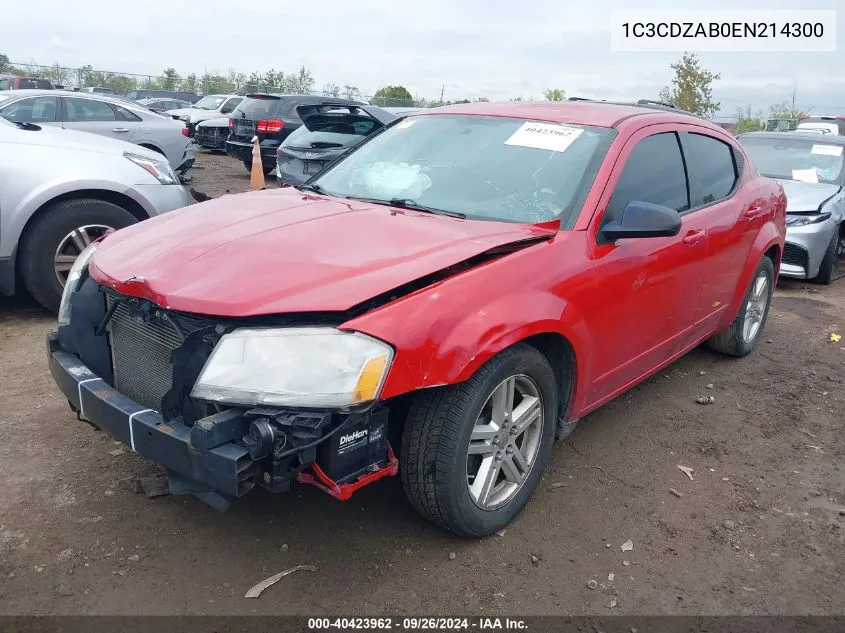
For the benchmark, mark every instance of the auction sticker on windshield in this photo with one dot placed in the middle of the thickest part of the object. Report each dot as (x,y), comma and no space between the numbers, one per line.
(550,136)
(827,150)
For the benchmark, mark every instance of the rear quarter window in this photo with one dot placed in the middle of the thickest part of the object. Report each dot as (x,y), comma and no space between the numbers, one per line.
(712,168)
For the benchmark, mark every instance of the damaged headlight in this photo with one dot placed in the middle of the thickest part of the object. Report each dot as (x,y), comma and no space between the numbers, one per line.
(157,168)
(803,219)
(301,367)
(72,282)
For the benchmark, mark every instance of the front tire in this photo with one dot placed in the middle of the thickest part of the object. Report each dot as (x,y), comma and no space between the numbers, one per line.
(473,453)
(829,268)
(52,243)
(742,335)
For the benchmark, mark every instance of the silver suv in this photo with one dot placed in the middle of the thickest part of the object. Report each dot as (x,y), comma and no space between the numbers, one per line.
(60,190)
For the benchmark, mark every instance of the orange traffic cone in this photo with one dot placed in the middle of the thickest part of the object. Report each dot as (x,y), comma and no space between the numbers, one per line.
(256,176)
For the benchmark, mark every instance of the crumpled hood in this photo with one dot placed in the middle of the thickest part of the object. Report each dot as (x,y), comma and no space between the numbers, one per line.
(806,196)
(280,251)
(194,113)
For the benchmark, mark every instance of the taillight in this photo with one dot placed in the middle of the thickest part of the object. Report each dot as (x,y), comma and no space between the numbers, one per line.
(231,123)
(269,126)
(184,131)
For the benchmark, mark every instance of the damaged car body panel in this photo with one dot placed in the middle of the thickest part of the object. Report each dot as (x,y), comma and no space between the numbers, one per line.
(399,246)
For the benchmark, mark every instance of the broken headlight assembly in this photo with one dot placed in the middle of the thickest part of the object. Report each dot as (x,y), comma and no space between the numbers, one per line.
(158,169)
(294,367)
(73,280)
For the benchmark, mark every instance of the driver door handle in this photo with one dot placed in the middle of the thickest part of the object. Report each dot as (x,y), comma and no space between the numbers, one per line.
(754,211)
(120,129)
(694,237)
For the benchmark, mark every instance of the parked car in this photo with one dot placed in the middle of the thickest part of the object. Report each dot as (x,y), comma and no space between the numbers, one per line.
(811,168)
(90,185)
(210,107)
(103,115)
(211,134)
(14,82)
(326,133)
(463,286)
(824,124)
(271,117)
(163,105)
(149,93)
(99,90)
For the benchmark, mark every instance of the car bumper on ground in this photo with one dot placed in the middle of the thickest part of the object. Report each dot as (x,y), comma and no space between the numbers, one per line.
(805,248)
(197,454)
(158,199)
(243,152)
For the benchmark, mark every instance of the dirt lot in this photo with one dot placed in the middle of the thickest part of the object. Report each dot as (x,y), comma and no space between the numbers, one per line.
(759,530)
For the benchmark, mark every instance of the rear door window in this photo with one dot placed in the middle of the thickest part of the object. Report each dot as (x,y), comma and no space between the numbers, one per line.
(33,109)
(88,110)
(654,172)
(711,166)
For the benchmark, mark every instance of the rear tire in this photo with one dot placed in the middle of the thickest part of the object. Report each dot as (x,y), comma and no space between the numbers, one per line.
(740,339)
(829,268)
(55,230)
(436,464)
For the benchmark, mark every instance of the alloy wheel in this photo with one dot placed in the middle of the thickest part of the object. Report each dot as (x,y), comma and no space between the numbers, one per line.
(505,442)
(72,244)
(755,309)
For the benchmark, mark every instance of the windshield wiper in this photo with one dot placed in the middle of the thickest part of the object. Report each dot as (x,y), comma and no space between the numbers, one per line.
(26,125)
(408,203)
(314,188)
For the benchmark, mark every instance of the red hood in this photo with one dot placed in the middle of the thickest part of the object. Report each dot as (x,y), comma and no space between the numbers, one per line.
(281,251)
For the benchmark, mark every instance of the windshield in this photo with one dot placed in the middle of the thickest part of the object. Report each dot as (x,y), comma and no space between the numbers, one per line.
(211,102)
(796,159)
(494,168)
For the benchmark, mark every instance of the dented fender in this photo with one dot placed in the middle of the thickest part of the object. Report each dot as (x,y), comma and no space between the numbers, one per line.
(768,237)
(444,333)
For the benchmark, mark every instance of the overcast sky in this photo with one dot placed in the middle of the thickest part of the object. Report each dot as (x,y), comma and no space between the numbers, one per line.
(489,48)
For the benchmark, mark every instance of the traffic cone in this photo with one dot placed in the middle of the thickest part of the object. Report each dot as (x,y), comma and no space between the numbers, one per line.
(256,176)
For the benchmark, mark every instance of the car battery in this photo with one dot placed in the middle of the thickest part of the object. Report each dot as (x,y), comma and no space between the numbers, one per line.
(356,449)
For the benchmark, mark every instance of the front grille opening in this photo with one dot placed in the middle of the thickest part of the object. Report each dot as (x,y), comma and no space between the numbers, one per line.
(794,255)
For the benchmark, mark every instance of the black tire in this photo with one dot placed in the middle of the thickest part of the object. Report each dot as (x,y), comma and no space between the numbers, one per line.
(829,268)
(731,341)
(38,246)
(436,438)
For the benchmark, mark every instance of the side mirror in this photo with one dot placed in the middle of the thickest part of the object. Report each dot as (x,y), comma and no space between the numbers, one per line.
(643,219)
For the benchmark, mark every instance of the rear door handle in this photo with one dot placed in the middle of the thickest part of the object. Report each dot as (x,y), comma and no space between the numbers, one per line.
(120,129)
(754,211)
(694,237)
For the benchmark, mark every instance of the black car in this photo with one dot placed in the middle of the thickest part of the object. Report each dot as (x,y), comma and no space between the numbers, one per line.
(327,131)
(270,117)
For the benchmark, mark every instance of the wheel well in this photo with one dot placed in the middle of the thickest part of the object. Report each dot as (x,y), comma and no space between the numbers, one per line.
(774,254)
(119,199)
(558,351)
(152,147)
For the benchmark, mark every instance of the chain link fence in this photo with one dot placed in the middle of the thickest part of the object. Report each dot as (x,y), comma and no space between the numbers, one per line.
(207,83)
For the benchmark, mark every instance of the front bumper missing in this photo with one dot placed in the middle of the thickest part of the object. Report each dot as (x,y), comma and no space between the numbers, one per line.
(205,455)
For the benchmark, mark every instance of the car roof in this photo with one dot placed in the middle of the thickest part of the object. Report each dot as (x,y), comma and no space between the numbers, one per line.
(829,139)
(595,113)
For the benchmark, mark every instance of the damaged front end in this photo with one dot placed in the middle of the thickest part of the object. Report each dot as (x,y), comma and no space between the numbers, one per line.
(129,367)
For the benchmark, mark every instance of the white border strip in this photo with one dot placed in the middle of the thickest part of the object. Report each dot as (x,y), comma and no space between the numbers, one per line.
(132,431)
(79,390)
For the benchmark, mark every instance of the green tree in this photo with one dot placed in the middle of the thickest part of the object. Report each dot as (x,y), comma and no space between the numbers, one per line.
(691,87)
(301,82)
(351,92)
(212,83)
(785,110)
(331,90)
(189,83)
(555,94)
(169,79)
(748,122)
(5,66)
(482,100)
(397,96)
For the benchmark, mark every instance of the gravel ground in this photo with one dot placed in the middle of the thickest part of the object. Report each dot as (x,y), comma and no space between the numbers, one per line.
(758,529)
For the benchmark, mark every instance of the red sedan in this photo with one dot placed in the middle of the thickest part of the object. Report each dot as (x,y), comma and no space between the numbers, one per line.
(442,303)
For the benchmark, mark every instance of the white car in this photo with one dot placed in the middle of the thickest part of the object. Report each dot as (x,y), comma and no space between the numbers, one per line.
(103,115)
(60,190)
(209,107)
